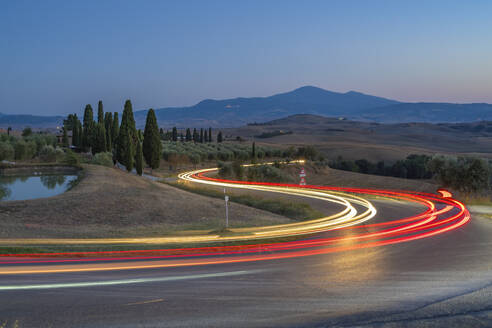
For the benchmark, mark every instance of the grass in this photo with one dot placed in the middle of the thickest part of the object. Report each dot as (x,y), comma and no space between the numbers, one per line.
(477,200)
(13,250)
(293,210)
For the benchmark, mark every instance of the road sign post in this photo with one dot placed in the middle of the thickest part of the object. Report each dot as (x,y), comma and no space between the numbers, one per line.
(227,210)
(302,175)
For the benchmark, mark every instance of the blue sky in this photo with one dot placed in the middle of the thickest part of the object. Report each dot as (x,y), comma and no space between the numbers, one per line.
(56,56)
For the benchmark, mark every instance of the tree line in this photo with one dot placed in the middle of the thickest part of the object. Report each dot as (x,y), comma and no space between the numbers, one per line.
(127,145)
(202,136)
(464,174)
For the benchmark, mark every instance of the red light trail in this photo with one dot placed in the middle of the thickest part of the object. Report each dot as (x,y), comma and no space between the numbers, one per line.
(442,214)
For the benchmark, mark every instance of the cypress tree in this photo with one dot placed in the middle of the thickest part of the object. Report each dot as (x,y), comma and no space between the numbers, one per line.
(65,137)
(139,159)
(205,136)
(210,135)
(75,134)
(99,144)
(152,146)
(188,134)
(108,125)
(127,136)
(201,135)
(219,137)
(100,112)
(88,127)
(130,152)
(115,131)
(175,134)
(253,151)
(196,137)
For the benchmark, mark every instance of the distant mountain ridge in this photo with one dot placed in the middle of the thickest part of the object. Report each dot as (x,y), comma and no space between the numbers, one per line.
(240,111)
(305,100)
(19,121)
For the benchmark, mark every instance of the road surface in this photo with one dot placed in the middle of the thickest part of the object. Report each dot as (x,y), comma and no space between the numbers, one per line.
(350,277)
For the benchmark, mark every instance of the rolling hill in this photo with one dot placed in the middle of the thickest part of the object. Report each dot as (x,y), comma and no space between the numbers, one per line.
(305,100)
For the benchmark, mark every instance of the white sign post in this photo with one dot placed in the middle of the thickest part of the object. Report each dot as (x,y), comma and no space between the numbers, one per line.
(227,208)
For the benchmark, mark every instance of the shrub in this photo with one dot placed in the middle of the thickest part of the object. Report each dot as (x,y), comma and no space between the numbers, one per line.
(49,154)
(266,173)
(104,159)
(71,158)
(6,151)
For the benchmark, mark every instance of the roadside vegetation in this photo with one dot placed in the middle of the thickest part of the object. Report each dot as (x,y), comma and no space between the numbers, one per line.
(294,210)
(467,175)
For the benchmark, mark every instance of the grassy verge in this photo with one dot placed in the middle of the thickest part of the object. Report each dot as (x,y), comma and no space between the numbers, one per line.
(12,250)
(477,200)
(293,210)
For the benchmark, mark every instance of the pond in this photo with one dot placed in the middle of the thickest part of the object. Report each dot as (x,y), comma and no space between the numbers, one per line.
(32,186)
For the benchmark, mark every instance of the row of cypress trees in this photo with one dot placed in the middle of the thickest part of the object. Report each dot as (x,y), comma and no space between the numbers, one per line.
(129,146)
(203,136)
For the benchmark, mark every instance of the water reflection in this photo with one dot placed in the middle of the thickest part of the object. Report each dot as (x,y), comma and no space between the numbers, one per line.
(30,187)
(51,181)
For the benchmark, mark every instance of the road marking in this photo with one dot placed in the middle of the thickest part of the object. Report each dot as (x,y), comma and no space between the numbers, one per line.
(146,302)
(127,281)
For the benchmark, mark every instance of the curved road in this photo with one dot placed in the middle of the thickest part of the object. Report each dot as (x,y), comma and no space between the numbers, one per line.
(427,265)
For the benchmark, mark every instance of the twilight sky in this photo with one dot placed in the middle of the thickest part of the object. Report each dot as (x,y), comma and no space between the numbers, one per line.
(56,56)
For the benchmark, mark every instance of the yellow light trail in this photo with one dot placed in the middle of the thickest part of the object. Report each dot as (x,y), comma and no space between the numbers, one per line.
(349,216)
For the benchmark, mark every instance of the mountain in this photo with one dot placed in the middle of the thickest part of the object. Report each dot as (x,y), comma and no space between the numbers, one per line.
(35,121)
(305,100)
(239,111)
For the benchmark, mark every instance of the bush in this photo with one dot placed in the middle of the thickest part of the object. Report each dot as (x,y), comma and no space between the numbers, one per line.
(24,150)
(6,151)
(465,174)
(104,159)
(71,158)
(266,173)
(50,154)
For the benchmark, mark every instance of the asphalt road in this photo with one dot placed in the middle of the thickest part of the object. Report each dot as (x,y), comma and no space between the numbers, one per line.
(444,280)
(439,280)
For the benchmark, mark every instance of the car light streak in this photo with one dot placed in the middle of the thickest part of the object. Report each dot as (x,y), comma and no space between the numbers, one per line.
(442,214)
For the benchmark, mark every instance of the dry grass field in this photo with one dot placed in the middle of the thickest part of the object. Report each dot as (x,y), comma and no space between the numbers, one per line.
(373,141)
(111,203)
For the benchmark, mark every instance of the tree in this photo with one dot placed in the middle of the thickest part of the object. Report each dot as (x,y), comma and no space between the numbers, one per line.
(196,137)
(152,146)
(129,153)
(210,135)
(253,150)
(65,137)
(127,136)
(139,159)
(219,137)
(70,121)
(100,112)
(175,134)
(115,130)
(188,134)
(8,130)
(75,134)
(108,126)
(205,136)
(88,127)
(201,136)
(99,145)
(27,132)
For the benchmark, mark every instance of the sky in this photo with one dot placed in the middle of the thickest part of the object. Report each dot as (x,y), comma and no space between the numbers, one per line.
(57,56)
